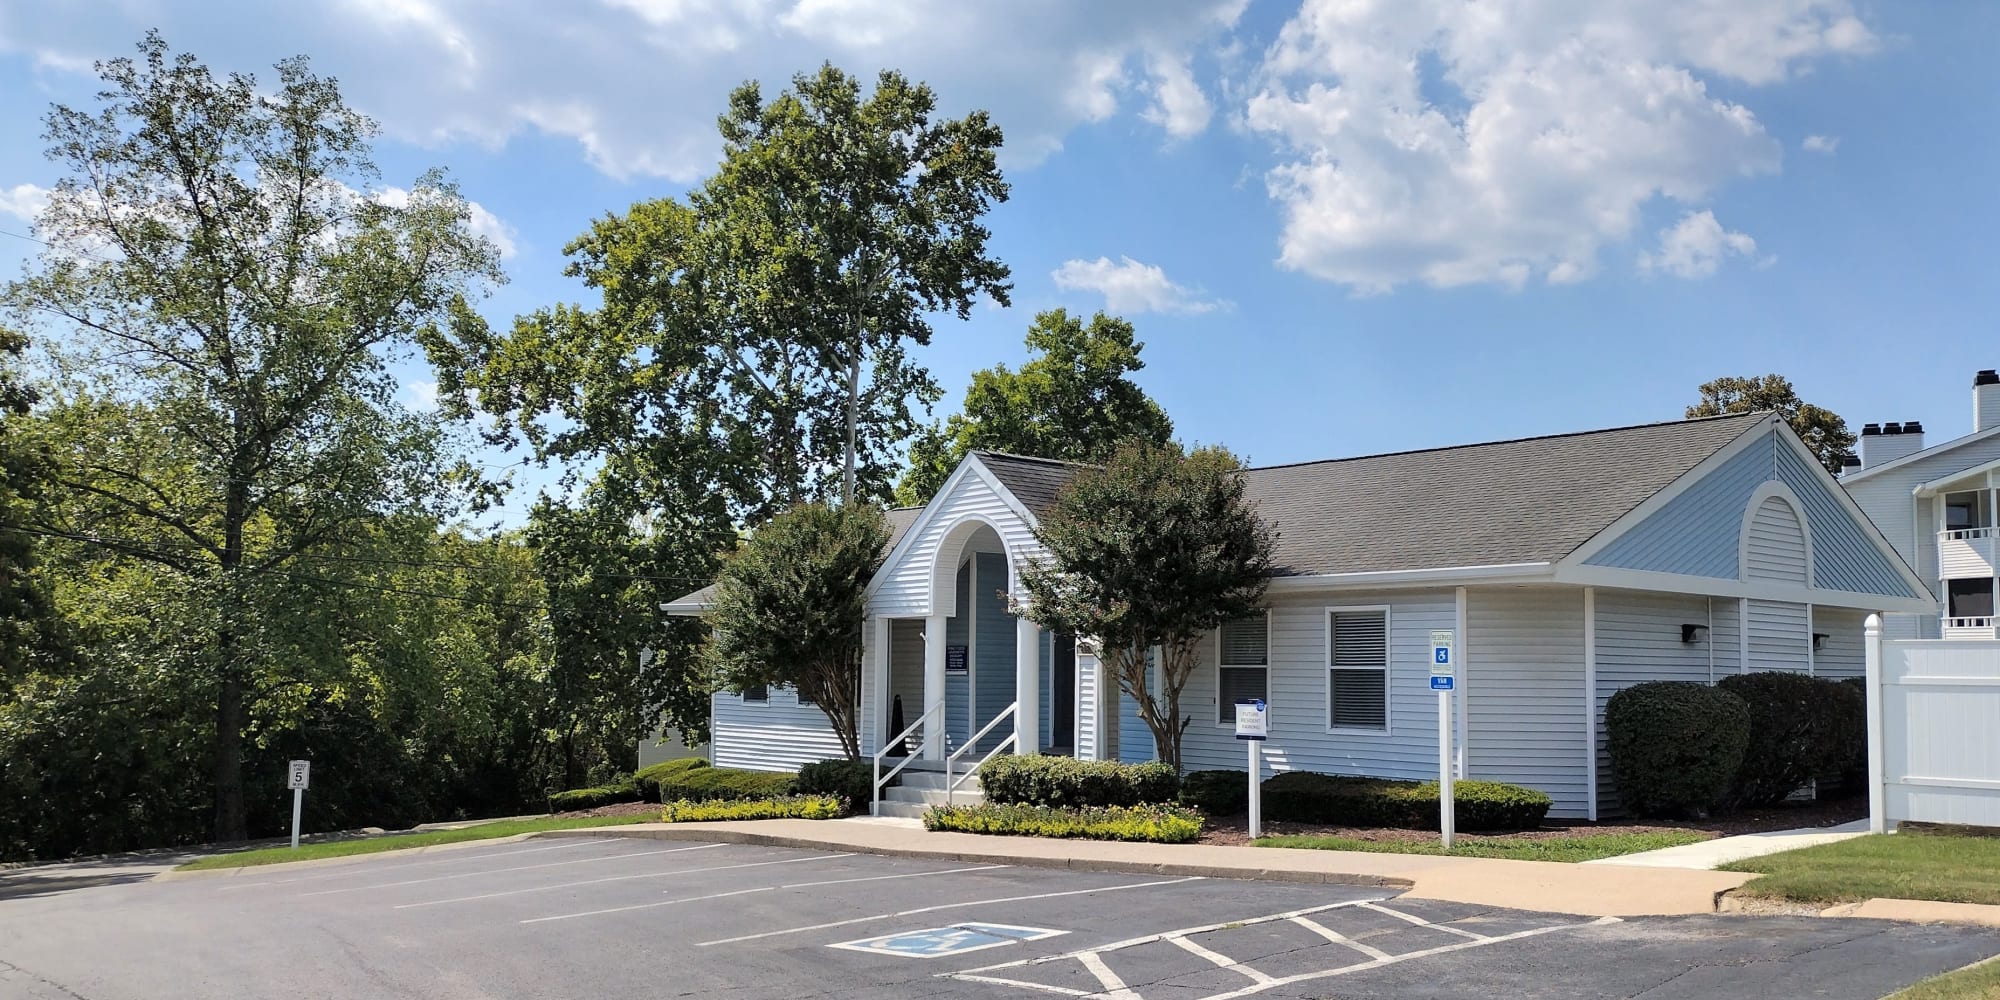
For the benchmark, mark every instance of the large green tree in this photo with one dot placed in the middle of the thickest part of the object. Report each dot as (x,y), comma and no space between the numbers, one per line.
(27,622)
(1147,554)
(790,606)
(229,290)
(1072,401)
(1823,430)
(752,342)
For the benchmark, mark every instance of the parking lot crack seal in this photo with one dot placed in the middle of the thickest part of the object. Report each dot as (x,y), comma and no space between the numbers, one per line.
(1747,962)
(10,971)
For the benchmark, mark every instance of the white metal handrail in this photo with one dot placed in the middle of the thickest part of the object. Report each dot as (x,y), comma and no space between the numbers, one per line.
(875,796)
(1013,740)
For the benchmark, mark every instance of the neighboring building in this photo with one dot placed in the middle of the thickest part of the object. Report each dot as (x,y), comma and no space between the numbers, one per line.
(665,745)
(1569,567)
(1938,507)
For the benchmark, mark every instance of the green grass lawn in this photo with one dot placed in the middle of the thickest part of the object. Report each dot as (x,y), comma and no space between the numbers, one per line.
(1979,982)
(405,841)
(1948,866)
(1581,847)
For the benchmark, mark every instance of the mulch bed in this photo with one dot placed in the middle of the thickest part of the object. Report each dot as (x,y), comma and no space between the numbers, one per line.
(1791,816)
(615,809)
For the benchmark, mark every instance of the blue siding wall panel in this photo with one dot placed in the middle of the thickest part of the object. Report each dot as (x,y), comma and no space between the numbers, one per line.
(1695,534)
(958,687)
(995,666)
(1046,688)
(1844,558)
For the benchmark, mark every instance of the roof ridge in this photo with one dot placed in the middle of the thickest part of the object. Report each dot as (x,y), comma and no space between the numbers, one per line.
(1519,440)
(1032,458)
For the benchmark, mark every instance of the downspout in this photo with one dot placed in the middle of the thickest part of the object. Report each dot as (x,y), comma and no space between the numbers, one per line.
(1590,700)
(1710,601)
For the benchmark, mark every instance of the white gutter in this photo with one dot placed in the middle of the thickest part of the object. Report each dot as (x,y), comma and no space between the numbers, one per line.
(1444,574)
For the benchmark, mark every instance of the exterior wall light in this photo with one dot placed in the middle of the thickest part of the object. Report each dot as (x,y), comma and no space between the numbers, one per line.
(1692,633)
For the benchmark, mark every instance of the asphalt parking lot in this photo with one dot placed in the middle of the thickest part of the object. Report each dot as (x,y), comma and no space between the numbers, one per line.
(613,917)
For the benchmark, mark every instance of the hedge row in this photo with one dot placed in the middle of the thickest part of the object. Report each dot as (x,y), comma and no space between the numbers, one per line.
(1067,782)
(784,807)
(1682,748)
(591,798)
(851,781)
(702,784)
(1306,797)
(1216,793)
(1152,824)
(648,779)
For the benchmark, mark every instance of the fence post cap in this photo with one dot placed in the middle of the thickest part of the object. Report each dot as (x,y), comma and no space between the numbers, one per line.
(1873,625)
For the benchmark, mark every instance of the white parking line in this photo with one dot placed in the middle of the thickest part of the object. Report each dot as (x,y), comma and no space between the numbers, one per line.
(1114,987)
(517,868)
(746,892)
(942,906)
(349,870)
(1338,938)
(618,878)
(1164,935)
(1219,960)
(1421,922)
(1405,957)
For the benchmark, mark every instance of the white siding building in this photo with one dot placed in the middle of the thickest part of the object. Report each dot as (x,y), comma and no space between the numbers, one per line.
(1568,567)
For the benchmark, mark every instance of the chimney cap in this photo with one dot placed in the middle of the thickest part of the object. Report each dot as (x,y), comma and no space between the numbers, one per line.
(1850,461)
(1913,427)
(1870,430)
(1986,376)
(1891,427)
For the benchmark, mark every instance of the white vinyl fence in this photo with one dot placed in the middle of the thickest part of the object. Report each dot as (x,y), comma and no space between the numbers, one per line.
(1933,730)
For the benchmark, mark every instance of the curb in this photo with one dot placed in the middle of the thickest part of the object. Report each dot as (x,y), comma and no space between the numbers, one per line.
(286,866)
(1910,911)
(975,857)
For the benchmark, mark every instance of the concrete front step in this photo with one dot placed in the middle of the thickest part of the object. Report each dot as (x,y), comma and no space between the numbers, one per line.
(933,796)
(906,810)
(934,779)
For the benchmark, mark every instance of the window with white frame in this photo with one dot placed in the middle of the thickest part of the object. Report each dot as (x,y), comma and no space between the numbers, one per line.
(1243,663)
(1357,654)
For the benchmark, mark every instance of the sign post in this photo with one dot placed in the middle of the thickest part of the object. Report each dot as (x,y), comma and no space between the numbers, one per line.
(297,777)
(1443,680)
(1253,726)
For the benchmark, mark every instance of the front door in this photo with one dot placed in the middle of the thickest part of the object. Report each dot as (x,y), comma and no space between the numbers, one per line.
(1062,695)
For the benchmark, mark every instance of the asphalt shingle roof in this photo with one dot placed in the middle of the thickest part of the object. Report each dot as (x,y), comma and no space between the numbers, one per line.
(1524,501)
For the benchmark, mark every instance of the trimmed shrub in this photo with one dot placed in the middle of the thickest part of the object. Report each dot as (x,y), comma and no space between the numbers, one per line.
(1065,781)
(849,780)
(1676,746)
(1152,824)
(1795,734)
(1850,732)
(1216,793)
(648,779)
(591,798)
(702,784)
(786,807)
(1341,800)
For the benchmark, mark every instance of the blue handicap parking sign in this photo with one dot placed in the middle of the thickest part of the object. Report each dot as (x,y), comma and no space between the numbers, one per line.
(938,942)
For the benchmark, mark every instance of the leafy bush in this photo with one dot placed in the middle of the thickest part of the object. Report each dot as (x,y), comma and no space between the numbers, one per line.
(701,784)
(784,807)
(1676,746)
(1796,734)
(1306,797)
(1066,781)
(648,779)
(591,798)
(1855,774)
(1153,824)
(1216,793)
(852,781)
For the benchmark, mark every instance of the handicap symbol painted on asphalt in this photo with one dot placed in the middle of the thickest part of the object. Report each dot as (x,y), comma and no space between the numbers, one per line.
(938,942)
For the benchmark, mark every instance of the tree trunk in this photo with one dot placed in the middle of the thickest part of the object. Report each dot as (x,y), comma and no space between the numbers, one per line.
(853,417)
(230,822)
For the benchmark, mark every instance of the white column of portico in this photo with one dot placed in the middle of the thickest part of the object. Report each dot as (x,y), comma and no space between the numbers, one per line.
(1027,687)
(934,640)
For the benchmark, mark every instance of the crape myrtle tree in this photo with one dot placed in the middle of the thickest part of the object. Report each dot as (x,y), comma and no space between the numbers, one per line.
(1824,431)
(1147,554)
(1072,401)
(790,607)
(224,295)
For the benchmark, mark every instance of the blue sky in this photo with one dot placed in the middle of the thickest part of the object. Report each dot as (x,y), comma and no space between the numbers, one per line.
(1340,227)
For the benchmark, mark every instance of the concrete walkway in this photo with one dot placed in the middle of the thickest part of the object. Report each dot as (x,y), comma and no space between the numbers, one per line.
(1587,890)
(1711,854)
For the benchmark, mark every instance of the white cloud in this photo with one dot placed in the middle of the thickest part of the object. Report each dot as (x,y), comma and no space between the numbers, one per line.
(1697,245)
(24,202)
(637,84)
(1129,286)
(1825,144)
(1500,142)
(423,395)
(482,222)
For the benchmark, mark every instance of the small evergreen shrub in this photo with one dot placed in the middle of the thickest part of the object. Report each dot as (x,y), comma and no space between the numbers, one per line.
(1150,824)
(591,798)
(785,807)
(1216,793)
(1065,781)
(701,784)
(1342,800)
(850,780)
(1796,734)
(1676,746)
(648,779)
(1849,733)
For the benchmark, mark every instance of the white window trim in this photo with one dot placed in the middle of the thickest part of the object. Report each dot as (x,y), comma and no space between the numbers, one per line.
(1215,638)
(1388,665)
